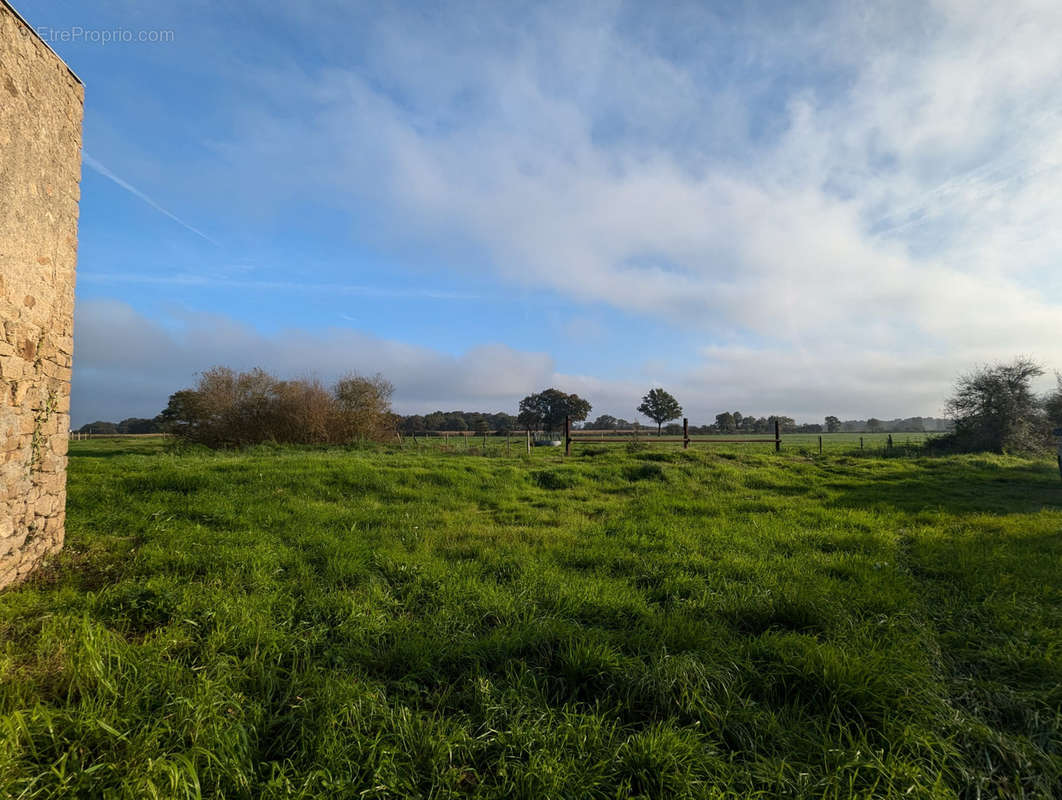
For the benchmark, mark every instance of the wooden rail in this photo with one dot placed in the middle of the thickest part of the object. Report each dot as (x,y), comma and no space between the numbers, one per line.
(572,436)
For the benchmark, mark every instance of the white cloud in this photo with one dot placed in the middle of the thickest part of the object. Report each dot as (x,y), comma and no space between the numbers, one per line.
(867,201)
(154,361)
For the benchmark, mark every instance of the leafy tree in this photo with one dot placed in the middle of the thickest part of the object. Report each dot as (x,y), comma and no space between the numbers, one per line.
(739,419)
(605,422)
(995,409)
(138,425)
(833,424)
(181,413)
(414,423)
(660,407)
(725,422)
(874,425)
(503,423)
(99,426)
(547,409)
(434,421)
(785,424)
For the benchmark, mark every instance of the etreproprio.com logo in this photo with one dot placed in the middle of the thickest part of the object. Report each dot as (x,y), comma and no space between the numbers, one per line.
(76,33)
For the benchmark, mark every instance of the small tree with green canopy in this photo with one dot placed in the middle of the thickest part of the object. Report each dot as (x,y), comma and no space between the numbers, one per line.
(660,407)
(547,410)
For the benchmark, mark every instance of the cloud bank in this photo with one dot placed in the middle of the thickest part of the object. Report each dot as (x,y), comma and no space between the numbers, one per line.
(845,205)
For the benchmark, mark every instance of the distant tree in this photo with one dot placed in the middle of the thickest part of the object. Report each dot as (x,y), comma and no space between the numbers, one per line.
(739,420)
(547,410)
(1053,404)
(725,422)
(994,408)
(660,407)
(481,425)
(98,427)
(414,423)
(503,423)
(785,424)
(833,424)
(181,413)
(138,425)
(434,421)
(874,425)
(605,422)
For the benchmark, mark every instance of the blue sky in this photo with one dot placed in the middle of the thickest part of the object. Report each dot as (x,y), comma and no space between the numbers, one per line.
(810,209)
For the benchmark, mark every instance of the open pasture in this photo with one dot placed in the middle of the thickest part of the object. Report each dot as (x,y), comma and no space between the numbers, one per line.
(379,623)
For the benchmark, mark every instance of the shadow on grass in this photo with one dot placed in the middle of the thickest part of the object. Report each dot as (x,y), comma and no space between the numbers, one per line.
(958,487)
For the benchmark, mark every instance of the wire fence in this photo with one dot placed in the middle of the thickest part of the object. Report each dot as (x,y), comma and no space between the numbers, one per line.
(571,440)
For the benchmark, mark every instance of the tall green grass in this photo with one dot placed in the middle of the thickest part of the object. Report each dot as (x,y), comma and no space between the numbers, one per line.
(655,623)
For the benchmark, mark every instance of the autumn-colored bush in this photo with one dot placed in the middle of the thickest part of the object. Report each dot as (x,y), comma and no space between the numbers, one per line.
(233,409)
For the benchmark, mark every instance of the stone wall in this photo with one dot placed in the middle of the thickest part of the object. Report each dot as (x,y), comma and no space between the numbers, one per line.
(40,168)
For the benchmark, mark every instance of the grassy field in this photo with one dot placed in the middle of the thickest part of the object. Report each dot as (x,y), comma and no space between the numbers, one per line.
(382,623)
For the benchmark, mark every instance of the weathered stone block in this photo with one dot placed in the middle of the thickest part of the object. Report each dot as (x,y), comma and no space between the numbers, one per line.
(40,167)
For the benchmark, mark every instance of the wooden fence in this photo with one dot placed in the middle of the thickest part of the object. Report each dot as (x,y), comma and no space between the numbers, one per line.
(571,436)
(527,440)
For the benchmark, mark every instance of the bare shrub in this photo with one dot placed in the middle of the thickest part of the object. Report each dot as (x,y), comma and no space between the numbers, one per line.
(364,407)
(234,409)
(995,409)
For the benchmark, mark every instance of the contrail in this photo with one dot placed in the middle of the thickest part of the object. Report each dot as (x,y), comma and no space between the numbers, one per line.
(106,173)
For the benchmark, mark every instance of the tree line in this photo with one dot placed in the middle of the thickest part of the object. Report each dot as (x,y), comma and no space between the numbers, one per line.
(993,408)
(459,421)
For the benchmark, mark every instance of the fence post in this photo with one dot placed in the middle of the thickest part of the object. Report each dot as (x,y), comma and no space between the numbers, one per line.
(890,442)
(508,444)
(777,436)
(529,441)
(484,442)
(567,435)
(685,433)
(820,445)
(860,442)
